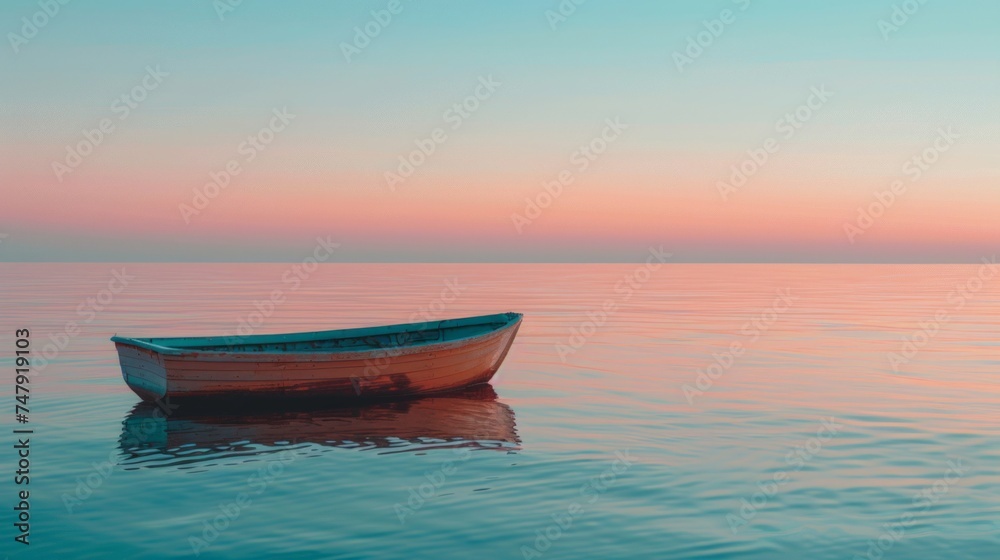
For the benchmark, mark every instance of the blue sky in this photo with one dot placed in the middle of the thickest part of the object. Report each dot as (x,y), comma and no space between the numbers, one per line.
(356,118)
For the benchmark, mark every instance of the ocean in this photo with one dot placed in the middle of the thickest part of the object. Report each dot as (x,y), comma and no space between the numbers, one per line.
(758,411)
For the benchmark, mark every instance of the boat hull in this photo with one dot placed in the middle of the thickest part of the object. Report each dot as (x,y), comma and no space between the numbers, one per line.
(348,375)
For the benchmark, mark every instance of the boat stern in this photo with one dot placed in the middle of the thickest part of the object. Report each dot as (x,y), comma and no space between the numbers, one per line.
(142,370)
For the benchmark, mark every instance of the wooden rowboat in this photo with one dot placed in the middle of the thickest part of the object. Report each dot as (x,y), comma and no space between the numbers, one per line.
(350,364)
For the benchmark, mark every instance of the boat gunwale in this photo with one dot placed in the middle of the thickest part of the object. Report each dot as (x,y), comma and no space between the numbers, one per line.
(196,350)
(344,355)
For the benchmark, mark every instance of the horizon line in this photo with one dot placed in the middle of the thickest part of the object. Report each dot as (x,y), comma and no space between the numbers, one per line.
(680,261)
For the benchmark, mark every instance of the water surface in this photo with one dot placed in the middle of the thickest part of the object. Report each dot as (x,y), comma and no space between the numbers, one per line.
(686,411)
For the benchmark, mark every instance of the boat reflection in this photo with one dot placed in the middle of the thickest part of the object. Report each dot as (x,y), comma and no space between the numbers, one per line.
(185,435)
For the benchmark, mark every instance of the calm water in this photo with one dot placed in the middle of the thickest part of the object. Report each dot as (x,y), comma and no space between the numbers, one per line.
(692,411)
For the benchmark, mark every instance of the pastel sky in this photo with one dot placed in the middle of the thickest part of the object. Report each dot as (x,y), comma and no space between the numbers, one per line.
(199,80)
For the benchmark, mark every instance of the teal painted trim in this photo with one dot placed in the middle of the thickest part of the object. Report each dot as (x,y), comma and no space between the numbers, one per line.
(182,345)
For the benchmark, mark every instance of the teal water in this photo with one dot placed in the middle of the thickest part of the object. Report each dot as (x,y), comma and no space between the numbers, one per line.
(686,411)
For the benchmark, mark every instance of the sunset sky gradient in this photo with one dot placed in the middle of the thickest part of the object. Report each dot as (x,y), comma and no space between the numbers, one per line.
(655,185)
